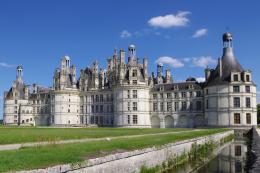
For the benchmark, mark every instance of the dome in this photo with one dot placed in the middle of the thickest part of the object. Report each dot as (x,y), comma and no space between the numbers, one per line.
(66,57)
(191,79)
(19,67)
(227,36)
(131,46)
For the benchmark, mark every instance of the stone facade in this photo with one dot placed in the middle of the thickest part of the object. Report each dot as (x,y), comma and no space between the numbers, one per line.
(125,95)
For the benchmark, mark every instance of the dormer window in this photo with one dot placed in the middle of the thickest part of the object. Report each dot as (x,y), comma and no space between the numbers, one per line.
(235,77)
(134,73)
(248,78)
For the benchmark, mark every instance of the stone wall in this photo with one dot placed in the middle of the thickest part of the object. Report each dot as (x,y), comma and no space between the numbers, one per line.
(132,161)
(256,150)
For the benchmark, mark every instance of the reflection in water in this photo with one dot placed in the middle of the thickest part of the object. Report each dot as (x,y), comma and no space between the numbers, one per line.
(231,159)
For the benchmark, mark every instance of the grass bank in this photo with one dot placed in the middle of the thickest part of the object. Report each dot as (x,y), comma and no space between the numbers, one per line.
(12,135)
(44,156)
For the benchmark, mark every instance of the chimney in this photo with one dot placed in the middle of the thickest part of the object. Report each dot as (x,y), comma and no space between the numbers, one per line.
(207,73)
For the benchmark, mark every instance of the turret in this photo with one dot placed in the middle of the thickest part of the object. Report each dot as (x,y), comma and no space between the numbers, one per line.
(159,70)
(168,76)
(131,53)
(19,74)
(207,73)
(122,56)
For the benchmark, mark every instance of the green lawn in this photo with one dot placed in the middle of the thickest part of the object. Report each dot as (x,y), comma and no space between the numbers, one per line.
(11,135)
(44,156)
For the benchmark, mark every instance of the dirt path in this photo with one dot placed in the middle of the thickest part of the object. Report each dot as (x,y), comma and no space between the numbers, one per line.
(34,144)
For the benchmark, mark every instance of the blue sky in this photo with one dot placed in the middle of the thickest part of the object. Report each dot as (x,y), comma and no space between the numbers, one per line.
(184,35)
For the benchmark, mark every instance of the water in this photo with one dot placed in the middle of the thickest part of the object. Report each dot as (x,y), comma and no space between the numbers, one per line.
(231,159)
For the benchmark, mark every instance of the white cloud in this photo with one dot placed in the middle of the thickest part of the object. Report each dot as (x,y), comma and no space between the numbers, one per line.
(200,33)
(125,34)
(170,20)
(200,79)
(170,61)
(203,61)
(3,64)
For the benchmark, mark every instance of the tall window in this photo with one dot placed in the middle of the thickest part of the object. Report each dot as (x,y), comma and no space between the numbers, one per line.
(128,93)
(161,95)
(154,96)
(155,106)
(128,106)
(134,106)
(101,98)
(198,105)
(248,118)
(169,95)
(247,78)
(237,118)
(235,77)
(248,102)
(176,106)
(134,73)
(183,106)
(238,150)
(97,98)
(236,102)
(161,106)
(92,98)
(236,89)
(248,89)
(198,93)
(135,119)
(101,108)
(169,106)
(128,119)
(134,82)
(175,95)
(207,104)
(183,94)
(191,94)
(134,93)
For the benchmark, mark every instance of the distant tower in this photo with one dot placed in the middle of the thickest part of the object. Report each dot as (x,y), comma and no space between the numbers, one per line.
(227,40)
(19,72)
(132,51)
(159,70)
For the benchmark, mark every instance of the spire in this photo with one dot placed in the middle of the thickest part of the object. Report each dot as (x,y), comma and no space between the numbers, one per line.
(228,60)
(19,73)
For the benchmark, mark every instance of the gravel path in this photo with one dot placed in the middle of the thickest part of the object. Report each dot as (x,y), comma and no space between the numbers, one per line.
(34,144)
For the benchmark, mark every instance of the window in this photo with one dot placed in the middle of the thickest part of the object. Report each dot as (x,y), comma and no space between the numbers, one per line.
(27,120)
(198,105)
(128,119)
(248,89)
(15,102)
(68,110)
(134,82)
(183,106)
(128,106)
(247,78)
(236,89)
(97,108)
(134,106)
(97,98)
(176,106)
(248,103)
(134,93)
(155,106)
(248,118)
(236,102)
(235,77)
(238,150)
(183,94)
(101,108)
(134,73)
(92,109)
(161,106)
(169,106)
(169,95)
(207,104)
(191,94)
(236,118)
(161,95)
(175,95)
(128,93)
(198,94)
(154,96)
(92,98)
(101,98)
(135,119)
(191,106)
